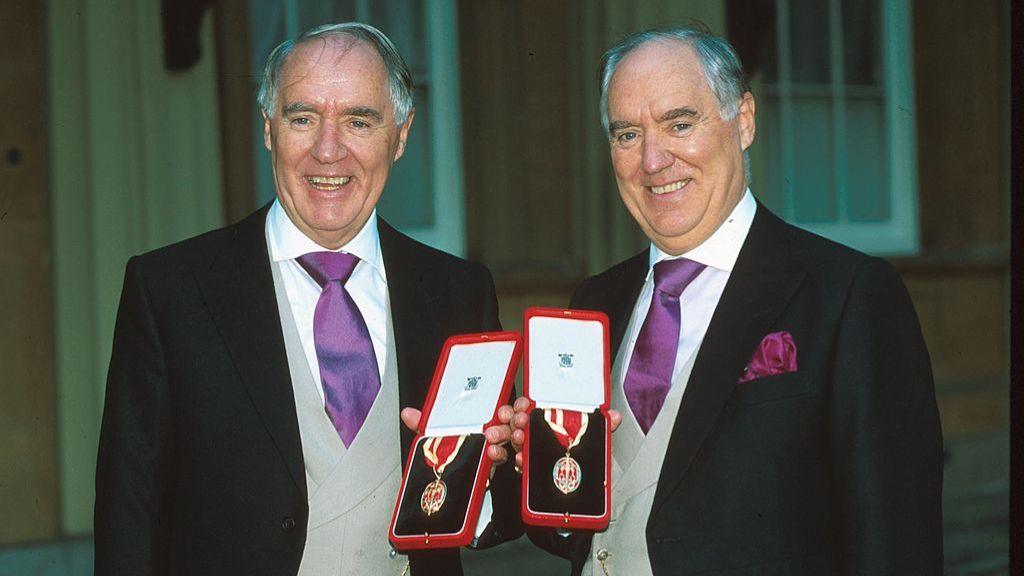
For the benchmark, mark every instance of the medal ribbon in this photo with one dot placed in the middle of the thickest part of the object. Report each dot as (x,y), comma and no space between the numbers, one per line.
(439,451)
(569,426)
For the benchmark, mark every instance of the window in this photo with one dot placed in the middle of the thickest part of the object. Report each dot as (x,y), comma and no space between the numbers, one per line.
(423,197)
(835,123)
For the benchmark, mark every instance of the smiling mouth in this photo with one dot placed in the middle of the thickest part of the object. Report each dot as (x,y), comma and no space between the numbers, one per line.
(670,187)
(327,183)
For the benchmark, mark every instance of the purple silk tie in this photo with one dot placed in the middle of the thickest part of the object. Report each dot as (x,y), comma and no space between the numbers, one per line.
(654,356)
(348,366)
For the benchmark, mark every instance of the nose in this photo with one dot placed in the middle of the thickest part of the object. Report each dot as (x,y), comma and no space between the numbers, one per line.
(329,147)
(655,157)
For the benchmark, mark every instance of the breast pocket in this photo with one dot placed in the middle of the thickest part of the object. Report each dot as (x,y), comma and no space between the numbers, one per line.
(771,388)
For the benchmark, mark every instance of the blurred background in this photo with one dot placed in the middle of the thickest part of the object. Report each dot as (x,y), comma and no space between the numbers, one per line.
(130,124)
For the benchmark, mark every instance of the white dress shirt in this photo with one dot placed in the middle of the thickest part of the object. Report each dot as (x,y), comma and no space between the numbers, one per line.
(699,300)
(368,284)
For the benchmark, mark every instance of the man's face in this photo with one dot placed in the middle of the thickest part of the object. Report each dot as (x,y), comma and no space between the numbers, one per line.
(678,164)
(332,137)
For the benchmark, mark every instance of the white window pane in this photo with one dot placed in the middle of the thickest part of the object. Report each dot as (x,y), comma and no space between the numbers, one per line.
(813,175)
(809,41)
(408,199)
(867,174)
(402,21)
(769,143)
(862,44)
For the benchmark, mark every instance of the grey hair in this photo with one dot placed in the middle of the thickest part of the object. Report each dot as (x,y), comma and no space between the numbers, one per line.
(399,79)
(722,69)
(721,65)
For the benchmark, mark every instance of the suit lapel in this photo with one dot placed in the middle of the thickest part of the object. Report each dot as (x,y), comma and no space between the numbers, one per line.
(618,302)
(238,289)
(416,293)
(764,279)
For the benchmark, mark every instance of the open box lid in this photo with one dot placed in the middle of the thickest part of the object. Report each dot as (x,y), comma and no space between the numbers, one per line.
(567,363)
(471,381)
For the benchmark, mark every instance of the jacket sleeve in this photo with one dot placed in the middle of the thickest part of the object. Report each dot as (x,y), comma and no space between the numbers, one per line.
(886,441)
(132,458)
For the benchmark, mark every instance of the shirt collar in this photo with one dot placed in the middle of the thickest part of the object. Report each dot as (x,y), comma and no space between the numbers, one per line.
(287,242)
(722,248)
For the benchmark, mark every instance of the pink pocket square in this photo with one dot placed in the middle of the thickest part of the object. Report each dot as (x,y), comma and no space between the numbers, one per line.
(776,354)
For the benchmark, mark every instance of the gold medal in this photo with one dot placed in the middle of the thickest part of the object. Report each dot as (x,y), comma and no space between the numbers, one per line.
(439,453)
(569,427)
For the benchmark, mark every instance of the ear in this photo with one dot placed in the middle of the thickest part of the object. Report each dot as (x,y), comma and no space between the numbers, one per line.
(746,119)
(267,141)
(403,135)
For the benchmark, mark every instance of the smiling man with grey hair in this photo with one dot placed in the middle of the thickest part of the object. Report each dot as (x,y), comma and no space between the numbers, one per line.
(261,374)
(777,407)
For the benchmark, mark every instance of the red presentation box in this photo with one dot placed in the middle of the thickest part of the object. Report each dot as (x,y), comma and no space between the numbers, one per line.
(567,452)
(447,468)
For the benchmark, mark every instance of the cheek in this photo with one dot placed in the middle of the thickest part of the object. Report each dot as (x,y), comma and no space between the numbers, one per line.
(626,165)
(291,149)
(695,151)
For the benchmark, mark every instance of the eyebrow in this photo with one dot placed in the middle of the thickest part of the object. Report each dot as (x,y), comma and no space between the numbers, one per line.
(676,113)
(673,114)
(296,107)
(619,125)
(358,111)
(365,112)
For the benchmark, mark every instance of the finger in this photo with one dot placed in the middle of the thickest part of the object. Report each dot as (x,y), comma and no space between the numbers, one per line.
(520,420)
(411,418)
(498,434)
(522,404)
(505,414)
(519,463)
(614,419)
(518,437)
(497,454)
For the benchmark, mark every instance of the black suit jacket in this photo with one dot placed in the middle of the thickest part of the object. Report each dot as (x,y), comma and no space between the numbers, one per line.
(200,467)
(835,469)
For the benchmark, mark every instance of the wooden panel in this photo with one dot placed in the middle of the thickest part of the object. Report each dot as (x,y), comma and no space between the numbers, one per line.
(961,90)
(514,301)
(963,316)
(519,216)
(28,478)
(973,412)
(237,105)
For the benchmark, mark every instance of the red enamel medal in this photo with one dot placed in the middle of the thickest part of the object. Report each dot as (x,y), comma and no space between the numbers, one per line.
(438,453)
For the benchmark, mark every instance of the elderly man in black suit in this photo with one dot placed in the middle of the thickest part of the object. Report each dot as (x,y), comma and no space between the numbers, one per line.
(777,404)
(251,423)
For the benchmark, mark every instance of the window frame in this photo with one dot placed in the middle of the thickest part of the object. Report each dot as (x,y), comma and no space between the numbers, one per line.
(899,234)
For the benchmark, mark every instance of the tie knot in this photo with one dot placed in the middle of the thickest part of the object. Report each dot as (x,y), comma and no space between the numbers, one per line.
(327,266)
(673,276)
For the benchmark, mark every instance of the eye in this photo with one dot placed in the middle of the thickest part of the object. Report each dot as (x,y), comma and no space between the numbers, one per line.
(626,137)
(360,124)
(300,122)
(681,127)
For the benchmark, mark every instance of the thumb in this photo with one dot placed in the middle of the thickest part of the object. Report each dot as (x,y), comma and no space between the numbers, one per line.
(411,418)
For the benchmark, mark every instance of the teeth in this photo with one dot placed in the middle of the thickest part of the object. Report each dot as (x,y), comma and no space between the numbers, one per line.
(678,185)
(323,182)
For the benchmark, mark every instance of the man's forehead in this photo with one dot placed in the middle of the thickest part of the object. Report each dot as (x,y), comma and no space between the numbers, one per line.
(338,65)
(662,75)
(326,54)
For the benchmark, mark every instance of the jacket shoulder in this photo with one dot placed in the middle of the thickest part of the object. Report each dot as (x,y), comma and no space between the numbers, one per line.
(823,256)
(594,290)
(840,269)
(412,250)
